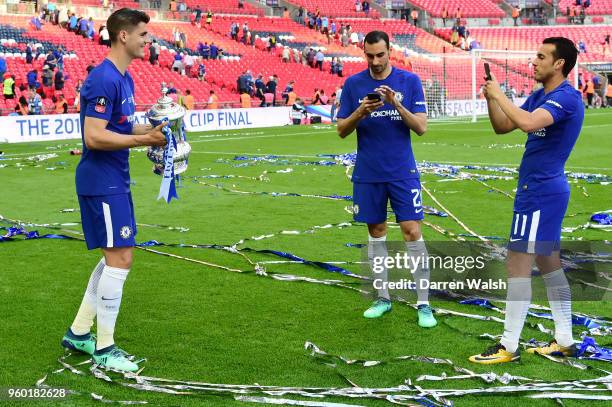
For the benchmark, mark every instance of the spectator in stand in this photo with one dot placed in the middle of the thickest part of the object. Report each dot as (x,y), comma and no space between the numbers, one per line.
(444,15)
(90,28)
(582,47)
(609,95)
(589,90)
(323,97)
(32,77)
(189,61)
(171,89)
(105,37)
(316,98)
(582,15)
(365,6)
(271,88)
(198,16)
(77,95)
(58,53)
(335,104)
(72,26)
(339,67)
(319,57)
(205,50)
(154,50)
(516,12)
(288,89)
(172,6)
(183,38)
(35,104)
(291,98)
(333,66)
(3,67)
(177,65)
(8,86)
(414,15)
(300,15)
(47,76)
(310,58)
(188,100)
(358,5)
(61,105)
(21,108)
(214,51)
(176,37)
(51,61)
(201,70)
(271,43)
(29,57)
(59,80)
(354,38)
(245,100)
(63,18)
(571,13)
(286,54)
(83,27)
(458,15)
(260,90)
(209,17)
(455,34)
(213,101)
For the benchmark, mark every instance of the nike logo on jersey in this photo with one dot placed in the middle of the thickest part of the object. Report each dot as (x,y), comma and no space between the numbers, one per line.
(109,299)
(123,101)
(515,240)
(418,210)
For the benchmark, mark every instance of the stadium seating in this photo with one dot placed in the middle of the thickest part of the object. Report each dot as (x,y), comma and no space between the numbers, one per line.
(472,8)
(597,7)
(528,38)
(337,8)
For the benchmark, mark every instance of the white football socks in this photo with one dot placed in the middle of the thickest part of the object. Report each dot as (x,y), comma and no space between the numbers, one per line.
(418,252)
(518,300)
(560,300)
(110,290)
(87,311)
(377,248)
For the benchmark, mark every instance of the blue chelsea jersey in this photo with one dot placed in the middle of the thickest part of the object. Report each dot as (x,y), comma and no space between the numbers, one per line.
(109,95)
(547,149)
(384,152)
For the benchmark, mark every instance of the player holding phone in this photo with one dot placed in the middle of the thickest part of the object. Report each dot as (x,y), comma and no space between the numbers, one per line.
(384,104)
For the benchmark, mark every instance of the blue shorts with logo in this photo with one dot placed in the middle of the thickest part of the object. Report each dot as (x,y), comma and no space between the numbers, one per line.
(108,220)
(536,224)
(370,200)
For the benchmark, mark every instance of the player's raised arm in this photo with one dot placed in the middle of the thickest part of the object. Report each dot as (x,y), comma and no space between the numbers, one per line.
(506,116)
(97,137)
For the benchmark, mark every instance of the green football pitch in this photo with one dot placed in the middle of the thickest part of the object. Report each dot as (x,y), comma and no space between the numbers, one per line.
(198,322)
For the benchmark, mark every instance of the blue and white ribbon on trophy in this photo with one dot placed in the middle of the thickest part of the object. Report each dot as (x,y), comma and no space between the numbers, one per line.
(167,189)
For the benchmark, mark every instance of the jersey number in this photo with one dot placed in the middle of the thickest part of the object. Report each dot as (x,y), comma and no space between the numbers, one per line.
(416,199)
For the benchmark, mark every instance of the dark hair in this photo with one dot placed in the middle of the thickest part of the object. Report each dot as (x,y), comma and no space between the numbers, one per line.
(375,36)
(564,49)
(188,92)
(124,19)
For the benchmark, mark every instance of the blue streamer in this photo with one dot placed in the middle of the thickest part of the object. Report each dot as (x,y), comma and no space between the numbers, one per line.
(589,349)
(602,218)
(167,189)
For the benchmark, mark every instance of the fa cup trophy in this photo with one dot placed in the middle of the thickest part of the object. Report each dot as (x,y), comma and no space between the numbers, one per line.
(171,160)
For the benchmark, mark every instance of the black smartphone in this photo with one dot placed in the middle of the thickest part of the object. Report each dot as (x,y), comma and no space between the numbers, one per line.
(487,71)
(374,96)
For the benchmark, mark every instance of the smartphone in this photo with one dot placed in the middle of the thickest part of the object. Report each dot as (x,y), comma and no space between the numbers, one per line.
(374,96)
(487,71)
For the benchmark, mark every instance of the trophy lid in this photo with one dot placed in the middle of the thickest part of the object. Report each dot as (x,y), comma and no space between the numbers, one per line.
(166,108)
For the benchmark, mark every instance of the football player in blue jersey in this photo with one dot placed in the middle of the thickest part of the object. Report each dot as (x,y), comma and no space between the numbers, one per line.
(384,104)
(552,118)
(103,186)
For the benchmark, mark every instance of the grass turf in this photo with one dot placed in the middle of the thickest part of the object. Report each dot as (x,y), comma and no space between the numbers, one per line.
(200,323)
